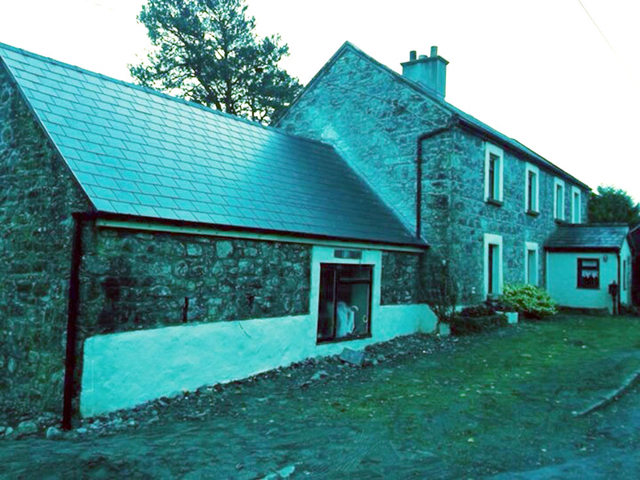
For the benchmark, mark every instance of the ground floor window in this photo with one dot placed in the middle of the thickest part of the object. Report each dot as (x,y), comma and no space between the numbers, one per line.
(589,273)
(531,263)
(345,302)
(492,265)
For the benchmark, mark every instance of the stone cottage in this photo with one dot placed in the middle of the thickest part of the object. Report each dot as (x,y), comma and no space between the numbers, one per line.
(486,203)
(152,245)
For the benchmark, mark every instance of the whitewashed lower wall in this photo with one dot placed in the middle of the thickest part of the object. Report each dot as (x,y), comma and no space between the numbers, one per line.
(126,369)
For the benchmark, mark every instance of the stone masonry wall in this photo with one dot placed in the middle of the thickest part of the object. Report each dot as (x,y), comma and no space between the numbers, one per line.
(37,197)
(400,278)
(473,217)
(373,121)
(134,280)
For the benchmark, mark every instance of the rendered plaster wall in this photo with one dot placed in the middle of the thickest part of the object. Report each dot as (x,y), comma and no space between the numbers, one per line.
(37,197)
(125,369)
(563,280)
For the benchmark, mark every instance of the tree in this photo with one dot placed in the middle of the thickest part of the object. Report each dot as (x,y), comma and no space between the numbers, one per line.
(206,51)
(612,204)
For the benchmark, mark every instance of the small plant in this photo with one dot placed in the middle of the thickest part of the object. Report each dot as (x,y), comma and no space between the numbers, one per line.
(529,300)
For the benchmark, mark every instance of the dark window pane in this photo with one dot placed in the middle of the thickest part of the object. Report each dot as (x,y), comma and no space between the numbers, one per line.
(326,308)
(345,301)
(353,309)
(588,273)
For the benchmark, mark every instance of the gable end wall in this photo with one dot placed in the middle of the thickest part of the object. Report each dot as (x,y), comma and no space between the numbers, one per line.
(37,196)
(373,121)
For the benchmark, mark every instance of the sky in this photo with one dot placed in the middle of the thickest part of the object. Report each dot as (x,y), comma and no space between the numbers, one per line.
(539,71)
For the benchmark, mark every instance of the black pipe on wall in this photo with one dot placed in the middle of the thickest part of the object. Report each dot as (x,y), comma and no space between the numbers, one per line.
(72,319)
(421,138)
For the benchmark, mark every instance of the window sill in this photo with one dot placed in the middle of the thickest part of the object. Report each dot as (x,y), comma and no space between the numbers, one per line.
(343,339)
(587,288)
(533,213)
(494,202)
(560,221)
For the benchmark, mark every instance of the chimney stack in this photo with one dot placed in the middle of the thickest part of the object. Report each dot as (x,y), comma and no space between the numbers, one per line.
(429,71)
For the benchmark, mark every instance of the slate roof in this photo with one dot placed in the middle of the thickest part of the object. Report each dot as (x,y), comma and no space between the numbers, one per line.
(467,119)
(588,237)
(139,152)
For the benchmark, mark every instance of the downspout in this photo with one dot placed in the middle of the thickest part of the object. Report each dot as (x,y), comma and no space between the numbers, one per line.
(619,285)
(72,318)
(453,121)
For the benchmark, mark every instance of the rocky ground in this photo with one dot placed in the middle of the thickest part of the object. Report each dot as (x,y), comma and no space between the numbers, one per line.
(498,405)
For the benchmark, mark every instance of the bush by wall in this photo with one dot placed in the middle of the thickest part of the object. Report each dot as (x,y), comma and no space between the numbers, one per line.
(476,319)
(531,301)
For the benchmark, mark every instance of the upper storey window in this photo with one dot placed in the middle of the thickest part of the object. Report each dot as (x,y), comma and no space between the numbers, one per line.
(531,193)
(558,199)
(576,210)
(493,168)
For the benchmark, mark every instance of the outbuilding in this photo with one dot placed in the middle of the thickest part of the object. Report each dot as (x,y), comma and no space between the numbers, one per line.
(590,266)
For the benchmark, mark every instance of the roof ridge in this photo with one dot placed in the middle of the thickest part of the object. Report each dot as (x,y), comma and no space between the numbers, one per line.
(159,93)
(440,103)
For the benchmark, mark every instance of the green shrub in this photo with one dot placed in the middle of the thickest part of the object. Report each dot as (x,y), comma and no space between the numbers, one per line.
(531,301)
(465,325)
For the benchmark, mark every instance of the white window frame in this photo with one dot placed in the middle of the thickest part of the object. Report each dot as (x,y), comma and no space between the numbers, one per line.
(528,247)
(491,239)
(497,151)
(559,182)
(576,208)
(536,193)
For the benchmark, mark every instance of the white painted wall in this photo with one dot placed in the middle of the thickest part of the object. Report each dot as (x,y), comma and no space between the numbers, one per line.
(126,369)
(563,280)
(625,294)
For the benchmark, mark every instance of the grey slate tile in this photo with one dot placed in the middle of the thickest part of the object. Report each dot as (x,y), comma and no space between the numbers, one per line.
(142,153)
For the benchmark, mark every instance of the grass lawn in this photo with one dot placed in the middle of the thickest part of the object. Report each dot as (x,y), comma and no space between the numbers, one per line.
(456,408)
(504,400)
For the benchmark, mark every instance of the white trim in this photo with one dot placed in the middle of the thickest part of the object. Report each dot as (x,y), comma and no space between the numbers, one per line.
(536,193)
(321,255)
(491,239)
(556,182)
(576,208)
(531,246)
(492,149)
(272,237)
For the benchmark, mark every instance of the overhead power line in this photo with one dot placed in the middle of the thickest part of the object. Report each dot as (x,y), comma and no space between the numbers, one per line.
(624,65)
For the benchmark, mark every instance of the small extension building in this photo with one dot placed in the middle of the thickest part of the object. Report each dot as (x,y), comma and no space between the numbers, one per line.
(585,262)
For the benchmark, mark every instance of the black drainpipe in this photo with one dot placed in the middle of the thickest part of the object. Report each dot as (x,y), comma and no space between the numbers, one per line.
(422,137)
(618,299)
(72,318)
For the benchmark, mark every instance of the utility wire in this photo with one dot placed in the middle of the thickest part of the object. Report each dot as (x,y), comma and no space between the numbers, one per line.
(624,65)
(596,25)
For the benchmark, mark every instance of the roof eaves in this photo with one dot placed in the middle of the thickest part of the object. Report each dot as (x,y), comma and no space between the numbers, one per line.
(582,248)
(230,228)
